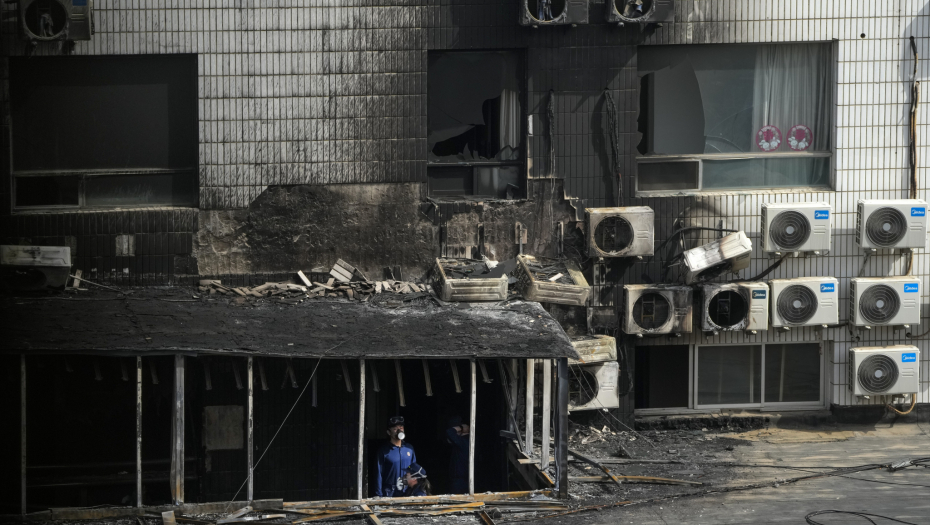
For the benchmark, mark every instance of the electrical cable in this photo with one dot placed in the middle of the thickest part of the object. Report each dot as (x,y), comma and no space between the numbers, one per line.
(864,515)
(770,269)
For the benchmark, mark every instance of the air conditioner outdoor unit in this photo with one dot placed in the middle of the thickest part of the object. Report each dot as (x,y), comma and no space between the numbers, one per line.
(50,20)
(799,227)
(594,386)
(594,349)
(537,13)
(891,224)
(640,11)
(884,370)
(730,253)
(656,309)
(735,306)
(805,301)
(884,301)
(620,232)
(35,267)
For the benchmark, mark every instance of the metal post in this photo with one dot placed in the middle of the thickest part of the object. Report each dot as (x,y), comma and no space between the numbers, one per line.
(471,430)
(530,387)
(177,434)
(250,421)
(22,431)
(361,428)
(139,431)
(546,415)
(561,429)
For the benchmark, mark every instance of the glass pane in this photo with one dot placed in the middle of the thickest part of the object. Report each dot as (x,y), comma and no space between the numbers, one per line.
(450,181)
(501,182)
(729,375)
(662,376)
(150,190)
(47,191)
(792,373)
(474,111)
(664,176)
(728,98)
(767,173)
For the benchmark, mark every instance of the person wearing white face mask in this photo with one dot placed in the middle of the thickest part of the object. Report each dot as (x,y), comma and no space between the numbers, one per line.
(393,459)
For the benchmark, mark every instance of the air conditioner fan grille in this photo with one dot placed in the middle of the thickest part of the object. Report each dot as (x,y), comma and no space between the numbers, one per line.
(877,373)
(613,234)
(796,304)
(652,310)
(582,387)
(886,226)
(727,308)
(879,303)
(790,230)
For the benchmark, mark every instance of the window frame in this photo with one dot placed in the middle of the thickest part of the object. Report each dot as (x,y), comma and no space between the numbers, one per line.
(700,191)
(521,164)
(82,174)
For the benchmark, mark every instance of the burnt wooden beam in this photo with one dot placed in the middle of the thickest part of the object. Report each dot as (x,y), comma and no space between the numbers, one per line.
(530,387)
(455,376)
(471,429)
(426,377)
(546,413)
(176,480)
(561,428)
(139,431)
(22,432)
(250,436)
(400,383)
(360,466)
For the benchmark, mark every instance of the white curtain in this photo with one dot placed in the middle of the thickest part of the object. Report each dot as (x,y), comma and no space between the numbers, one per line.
(509,123)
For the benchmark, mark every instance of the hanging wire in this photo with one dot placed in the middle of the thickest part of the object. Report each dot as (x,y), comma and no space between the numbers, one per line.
(550,115)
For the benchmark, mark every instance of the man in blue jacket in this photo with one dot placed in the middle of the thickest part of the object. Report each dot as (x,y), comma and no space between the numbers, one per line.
(393,459)
(457,436)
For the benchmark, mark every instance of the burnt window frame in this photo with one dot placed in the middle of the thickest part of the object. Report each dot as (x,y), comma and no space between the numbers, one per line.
(831,76)
(521,164)
(81,176)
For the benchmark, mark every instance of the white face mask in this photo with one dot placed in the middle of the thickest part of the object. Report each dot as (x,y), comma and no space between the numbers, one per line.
(401,435)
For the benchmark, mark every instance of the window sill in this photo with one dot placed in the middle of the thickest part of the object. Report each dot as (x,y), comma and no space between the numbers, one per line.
(741,191)
(101,209)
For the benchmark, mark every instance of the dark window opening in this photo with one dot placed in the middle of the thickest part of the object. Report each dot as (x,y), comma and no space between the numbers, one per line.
(475,119)
(662,376)
(47,191)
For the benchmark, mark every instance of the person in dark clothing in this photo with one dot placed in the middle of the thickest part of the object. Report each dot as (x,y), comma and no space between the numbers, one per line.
(416,482)
(457,436)
(393,459)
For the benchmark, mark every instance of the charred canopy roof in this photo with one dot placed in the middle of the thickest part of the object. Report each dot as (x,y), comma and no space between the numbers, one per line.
(162,321)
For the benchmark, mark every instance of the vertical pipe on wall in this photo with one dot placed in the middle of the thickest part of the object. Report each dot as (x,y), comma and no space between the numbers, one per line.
(530,387)
(561,429)
(250,415)
(546,416)
(139,431)
(471,429)
(361,430)
(22,432)
(177,433)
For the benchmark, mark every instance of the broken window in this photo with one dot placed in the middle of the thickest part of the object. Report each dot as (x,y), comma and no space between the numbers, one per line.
(735,116)
(104,131)
(475,123)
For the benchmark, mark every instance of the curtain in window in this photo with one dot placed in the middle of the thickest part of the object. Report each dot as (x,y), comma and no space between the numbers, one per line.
(509,125)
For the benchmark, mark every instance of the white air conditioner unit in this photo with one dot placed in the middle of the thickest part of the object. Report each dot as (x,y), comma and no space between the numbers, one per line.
(50,20)
(640,11)
(884,370)
(34,267)
(656,309)
(884,301)
(620,232)
(537,13)
(805,301)
(730,253)
(594,386)
(735,306)
(891,224)
(798,227)
(594,349)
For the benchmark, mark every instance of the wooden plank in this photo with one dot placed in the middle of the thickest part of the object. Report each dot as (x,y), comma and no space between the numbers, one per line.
(304,279)
(139,431)
(471,428)
(76,282)
(167,518)
(455,376)
(530,387)
(400,383)
(345,375)
(250,421)
(22,432)
(360,461)
(176,480)
(632,479)
(426,378)
(546,413)
(371,517)
(561,428)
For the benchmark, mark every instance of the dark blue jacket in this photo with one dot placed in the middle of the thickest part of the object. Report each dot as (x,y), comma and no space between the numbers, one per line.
(458,462)
(392,464)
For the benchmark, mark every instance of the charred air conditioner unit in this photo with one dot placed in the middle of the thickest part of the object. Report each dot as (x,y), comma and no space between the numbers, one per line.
(537,13)
(594,349)
(640,11)
(735,306)
(51,20)
(656,309)
(799,227)
(551,281)
(34,267)
(884,301)
(594,386)
(467,280)
(805,301)
(620,232)
(891,224)
(884,370)
(730,253)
